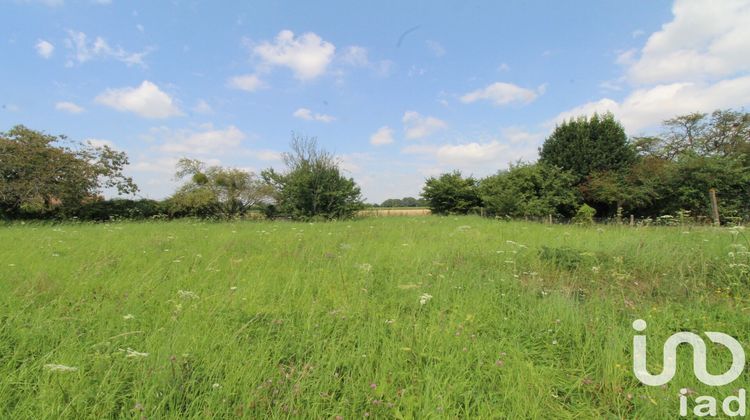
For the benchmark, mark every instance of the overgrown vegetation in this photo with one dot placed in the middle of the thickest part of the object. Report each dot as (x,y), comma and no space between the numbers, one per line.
(590,161)
(452,317)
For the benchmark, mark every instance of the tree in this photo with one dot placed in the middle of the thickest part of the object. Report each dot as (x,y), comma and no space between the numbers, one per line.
(312,185)
(723,133)
(530,190)
(451,193)
(217,191)
(41,176)
(584,145)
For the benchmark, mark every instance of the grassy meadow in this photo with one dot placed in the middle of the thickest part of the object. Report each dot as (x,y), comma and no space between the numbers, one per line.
(397,317)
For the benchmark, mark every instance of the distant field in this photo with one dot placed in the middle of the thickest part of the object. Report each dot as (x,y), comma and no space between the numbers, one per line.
(395,211)
(392,317)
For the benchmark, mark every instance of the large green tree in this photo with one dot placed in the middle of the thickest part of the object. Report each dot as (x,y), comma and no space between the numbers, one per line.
(312,184)
(44,174)
(217,191)
(451,193)
(584,145)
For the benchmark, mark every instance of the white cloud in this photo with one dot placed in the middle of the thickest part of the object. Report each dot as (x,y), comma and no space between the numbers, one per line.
(69,107)
(84,50)
(648,107)
(500,93)
(44,48)
(307,55)
(436,48)
(416,126)
(202,107)
(247,82)
(146,100)
(477,157)
(705,40)
(355,56)
(384,135)
(503,67)
(306,114)
(206,141)
(520,135)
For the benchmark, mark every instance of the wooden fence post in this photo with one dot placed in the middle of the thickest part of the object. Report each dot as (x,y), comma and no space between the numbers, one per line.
(714,206)
(632,220)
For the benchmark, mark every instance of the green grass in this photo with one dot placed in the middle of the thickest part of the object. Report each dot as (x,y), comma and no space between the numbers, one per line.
(264,319)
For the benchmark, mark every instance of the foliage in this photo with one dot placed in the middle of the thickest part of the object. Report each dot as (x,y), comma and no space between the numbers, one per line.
(584,145)
(122,209)
(313,185)
(40,176)
(404,202)
(722,133)
(530,190)
(584,215)
(215,191)
(450,193)
(690,178)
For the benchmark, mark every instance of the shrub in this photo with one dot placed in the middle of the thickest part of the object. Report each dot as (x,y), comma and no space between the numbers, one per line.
(584,215)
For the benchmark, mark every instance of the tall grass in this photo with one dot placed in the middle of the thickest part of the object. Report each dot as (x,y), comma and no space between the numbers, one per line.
(385,317)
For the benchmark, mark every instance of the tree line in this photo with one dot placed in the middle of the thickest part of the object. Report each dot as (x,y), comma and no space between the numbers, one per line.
(587,166)
(43,176)
(590,161)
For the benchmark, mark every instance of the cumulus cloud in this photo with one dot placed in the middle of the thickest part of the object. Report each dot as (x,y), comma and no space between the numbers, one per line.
(306,114)
(69,107)
(417,126)
(384,135)
(83,50)
(705,40)
(44,48)
(247,82)
(307,55)
(500,93)
(206,141)
(478,157)
(146,100)
(647,107)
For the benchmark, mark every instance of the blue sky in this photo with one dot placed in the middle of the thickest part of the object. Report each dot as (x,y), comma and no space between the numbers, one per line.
(399,90)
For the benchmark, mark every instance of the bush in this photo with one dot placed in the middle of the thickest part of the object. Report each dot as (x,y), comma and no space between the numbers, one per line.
(585,215)
(104,210)
(451,194)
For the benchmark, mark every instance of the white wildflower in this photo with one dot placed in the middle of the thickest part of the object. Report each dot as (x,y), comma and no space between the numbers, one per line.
(215,386)
(233,288)
(424,298)
(128,317)
(52,367)
(365,267)
(186,294)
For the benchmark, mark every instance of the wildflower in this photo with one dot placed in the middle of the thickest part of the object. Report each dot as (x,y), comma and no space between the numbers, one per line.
(186,294)
(390,321)
(128,317)
(52,367)
(365,267)
(424,298)
(499,362)
(215,386)
(132,353)
(233,288)
(373,385)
